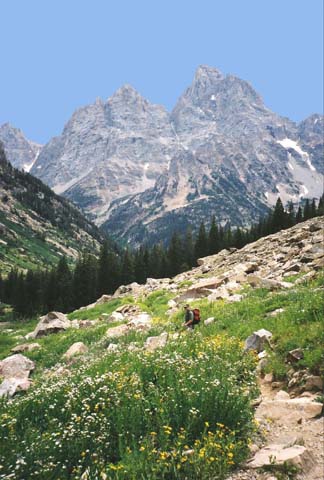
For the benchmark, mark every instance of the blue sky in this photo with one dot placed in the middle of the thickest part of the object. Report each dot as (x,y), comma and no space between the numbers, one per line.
(58,55)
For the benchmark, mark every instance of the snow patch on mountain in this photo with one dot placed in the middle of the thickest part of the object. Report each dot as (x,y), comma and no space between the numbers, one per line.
(289,143)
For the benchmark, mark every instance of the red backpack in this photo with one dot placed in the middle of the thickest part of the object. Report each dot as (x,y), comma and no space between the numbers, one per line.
(196,314)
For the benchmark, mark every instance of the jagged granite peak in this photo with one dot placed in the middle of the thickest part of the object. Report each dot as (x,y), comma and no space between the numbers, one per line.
(127,109)
(21,153)
(107,150)
(127,161)
(223,104)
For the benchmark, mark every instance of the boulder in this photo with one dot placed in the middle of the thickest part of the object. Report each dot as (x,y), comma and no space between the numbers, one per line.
(259,282)
(53,322)
(115,332)
(296,455)
(77,348)
(15,370)
(142,322)
(25,347)
(83,323)
(205,268)
(160,341)
(235,298)
(276,312)
(289,410)
(131,289)
(103,299)
(16,366)
(172,304)
(115,317)
(295,355)
(112,347)
(258,340)
(12,385)
(209,320)
(128,310)
(313,383)
(282,395)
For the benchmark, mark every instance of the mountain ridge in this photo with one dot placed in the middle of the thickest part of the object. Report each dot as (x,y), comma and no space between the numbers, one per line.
(219,132)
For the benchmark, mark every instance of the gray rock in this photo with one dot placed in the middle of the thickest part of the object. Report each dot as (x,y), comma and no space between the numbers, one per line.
(313,383)
(116,332)
(274,454)
(53,322)
(140,322)
(116,317)
(76,349)
(209,321)
(17,366)
(25,347)
(295,355)
(12,385)
(15,370)
(153,343)
(258,340)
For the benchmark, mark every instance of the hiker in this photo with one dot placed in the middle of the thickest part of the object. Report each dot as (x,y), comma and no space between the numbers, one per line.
(192,317)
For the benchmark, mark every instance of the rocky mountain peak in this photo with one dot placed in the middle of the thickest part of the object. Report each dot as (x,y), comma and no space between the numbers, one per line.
(206,79)
(21,153)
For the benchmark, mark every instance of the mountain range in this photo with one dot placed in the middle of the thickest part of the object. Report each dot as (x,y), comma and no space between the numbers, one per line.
(142,172)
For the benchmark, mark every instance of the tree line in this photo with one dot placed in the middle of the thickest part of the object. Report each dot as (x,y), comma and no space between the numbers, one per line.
(65,289)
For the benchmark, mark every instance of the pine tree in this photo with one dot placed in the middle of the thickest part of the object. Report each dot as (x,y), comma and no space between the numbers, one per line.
(307,214)
(176,255)
(127,268)
(299,215)
(64,292)
(103,270)
(313,209)
(291,214)
(320,206)
(201,245)
(140,266)
(279,217)
(189,248)
(213,238)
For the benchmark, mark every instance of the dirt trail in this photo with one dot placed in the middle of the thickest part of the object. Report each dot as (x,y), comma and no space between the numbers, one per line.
(306,432)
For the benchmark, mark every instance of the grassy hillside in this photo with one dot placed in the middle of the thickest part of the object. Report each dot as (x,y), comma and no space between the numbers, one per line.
(183,412)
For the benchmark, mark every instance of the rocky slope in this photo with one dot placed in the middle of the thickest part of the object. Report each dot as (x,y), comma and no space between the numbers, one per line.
(279,269)
(21,153)
(37,226)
